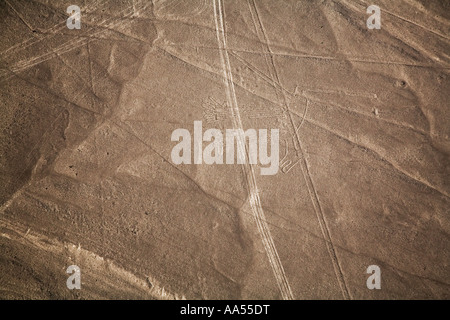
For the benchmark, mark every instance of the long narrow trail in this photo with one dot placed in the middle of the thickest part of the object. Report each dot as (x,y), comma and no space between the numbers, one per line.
(255,201)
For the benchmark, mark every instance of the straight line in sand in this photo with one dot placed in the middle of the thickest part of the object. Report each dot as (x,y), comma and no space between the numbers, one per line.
(255,201)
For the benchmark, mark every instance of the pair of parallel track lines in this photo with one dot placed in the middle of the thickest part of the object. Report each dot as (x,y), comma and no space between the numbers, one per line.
(255,201)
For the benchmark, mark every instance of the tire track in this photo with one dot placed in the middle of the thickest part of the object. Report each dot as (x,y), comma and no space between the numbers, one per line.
(254,198)
(281,94)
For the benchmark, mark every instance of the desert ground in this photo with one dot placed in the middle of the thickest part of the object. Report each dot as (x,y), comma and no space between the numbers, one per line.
(87,177)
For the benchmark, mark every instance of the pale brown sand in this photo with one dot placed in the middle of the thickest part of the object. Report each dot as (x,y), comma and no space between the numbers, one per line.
(87,178)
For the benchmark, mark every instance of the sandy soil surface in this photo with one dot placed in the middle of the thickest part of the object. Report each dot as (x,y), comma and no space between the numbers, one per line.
(85,149)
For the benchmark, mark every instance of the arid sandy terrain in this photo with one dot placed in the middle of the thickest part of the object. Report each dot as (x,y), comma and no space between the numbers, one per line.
(87,177)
